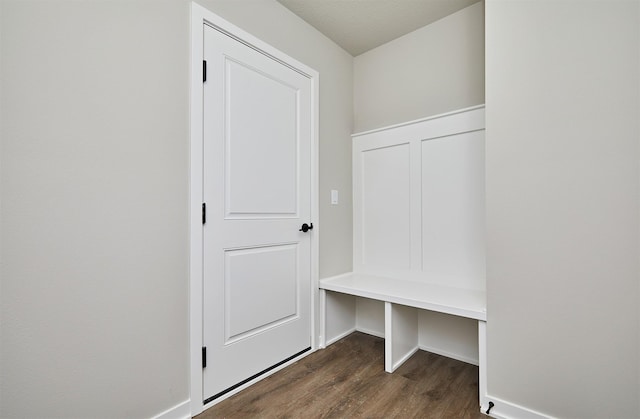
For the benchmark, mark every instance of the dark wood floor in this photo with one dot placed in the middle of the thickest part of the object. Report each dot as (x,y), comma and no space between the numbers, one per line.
(347,380)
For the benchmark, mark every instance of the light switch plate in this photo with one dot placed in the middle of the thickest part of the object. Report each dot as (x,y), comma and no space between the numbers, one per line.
(334,197)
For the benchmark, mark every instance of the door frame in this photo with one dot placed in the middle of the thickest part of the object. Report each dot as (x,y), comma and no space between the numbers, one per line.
(199,17)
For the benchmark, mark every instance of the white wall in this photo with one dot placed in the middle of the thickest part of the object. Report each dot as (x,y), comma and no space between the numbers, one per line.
(94,208)
(563,108)
(435,69)
(95,165)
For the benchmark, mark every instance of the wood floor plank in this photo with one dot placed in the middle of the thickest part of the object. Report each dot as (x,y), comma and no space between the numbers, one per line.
(347,380)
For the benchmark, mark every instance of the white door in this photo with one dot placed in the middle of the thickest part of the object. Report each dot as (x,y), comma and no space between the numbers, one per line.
(257,181)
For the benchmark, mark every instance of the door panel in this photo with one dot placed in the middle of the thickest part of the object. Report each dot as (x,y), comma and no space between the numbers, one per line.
(257,179)
(273,188)
(250,275)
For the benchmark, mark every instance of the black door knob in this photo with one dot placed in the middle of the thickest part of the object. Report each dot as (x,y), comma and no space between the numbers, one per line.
(306,227)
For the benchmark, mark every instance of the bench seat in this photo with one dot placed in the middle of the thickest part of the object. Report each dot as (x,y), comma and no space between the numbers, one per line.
(456,301)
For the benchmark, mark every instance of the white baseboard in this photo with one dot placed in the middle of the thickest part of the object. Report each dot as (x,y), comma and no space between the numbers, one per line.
(369,332)
(350,331)
(505,410)
(404,358)
(179,411)
(450,355)
(340,336)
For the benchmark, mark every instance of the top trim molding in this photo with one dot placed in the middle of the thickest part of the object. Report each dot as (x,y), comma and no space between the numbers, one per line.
(417,121)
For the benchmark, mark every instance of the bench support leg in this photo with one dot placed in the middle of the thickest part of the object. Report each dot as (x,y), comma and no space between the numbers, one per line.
(401,335)
(322,339)
(482,364)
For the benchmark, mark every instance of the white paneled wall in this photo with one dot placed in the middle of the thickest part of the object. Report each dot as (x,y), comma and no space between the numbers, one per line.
(385,199)
(419,200)
(453,210)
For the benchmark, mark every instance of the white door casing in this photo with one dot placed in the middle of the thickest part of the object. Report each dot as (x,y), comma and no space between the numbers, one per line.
(254,162)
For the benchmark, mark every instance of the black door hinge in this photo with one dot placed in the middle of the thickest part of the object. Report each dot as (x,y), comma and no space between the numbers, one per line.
(204,357)
(204,213)
(204,71)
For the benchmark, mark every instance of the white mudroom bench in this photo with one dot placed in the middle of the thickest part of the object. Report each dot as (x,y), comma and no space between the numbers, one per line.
(418,197)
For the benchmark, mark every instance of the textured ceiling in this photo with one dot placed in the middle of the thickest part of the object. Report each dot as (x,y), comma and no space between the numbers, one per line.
(360,25)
